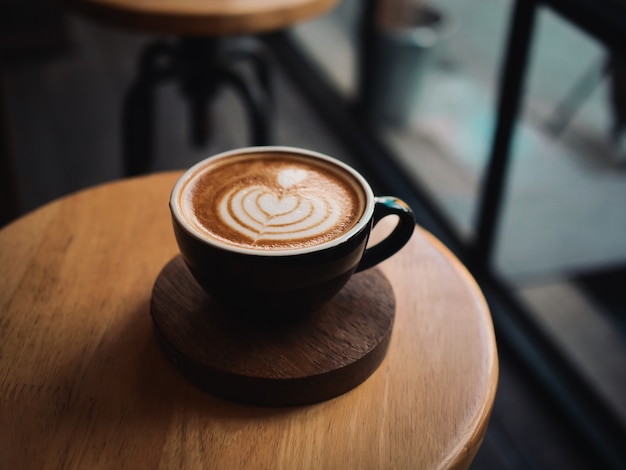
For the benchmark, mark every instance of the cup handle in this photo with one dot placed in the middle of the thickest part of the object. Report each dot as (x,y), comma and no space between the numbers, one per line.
(389,205)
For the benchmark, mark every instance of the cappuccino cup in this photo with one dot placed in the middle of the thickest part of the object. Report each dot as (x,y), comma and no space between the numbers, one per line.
(279,230)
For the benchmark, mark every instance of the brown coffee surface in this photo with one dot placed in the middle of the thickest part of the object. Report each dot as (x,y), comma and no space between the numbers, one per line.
(272,201)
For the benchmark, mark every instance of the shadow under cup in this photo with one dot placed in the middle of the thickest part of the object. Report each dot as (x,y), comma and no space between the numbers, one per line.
(287,283)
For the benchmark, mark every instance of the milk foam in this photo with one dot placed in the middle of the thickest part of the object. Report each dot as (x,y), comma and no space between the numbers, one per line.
(260,213)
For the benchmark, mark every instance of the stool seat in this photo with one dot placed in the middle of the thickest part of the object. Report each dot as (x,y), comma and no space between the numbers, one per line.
(202,17)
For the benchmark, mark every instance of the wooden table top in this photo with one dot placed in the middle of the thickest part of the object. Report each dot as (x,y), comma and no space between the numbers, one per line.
(84,384)
(202,17)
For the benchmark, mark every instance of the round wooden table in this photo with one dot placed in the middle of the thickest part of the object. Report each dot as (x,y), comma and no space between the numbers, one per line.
(84,383)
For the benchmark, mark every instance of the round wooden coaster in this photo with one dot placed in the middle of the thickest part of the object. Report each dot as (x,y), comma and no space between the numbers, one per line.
(318,357)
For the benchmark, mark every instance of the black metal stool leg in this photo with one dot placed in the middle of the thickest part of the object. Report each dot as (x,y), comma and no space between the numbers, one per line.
(260,56)
(139,109)
(197,63)
(259,114)
(205,65)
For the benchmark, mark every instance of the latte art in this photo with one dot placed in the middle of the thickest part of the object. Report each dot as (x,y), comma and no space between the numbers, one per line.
(260,213)
(271,202)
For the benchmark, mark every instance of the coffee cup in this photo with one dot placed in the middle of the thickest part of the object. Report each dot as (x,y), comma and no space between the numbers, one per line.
(279,230)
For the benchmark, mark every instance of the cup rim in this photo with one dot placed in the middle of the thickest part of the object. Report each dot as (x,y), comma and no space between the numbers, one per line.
(366,216)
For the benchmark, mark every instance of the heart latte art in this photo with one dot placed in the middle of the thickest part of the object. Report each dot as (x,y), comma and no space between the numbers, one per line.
(262,213)
(273,202)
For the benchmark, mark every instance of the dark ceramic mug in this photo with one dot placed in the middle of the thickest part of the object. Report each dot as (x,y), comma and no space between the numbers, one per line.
(281,281)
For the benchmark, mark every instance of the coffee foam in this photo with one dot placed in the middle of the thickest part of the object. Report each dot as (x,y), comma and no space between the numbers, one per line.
(272,201)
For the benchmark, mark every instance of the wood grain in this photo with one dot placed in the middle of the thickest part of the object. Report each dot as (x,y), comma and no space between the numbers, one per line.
(202,17)
(84,384)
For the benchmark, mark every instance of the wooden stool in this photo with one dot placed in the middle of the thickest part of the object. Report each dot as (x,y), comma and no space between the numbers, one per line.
(84,382)
(204,59)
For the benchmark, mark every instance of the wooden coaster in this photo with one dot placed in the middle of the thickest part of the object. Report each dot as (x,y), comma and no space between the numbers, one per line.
(318,357)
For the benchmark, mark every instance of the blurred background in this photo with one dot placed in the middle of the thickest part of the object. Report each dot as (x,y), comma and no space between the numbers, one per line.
(412,101)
